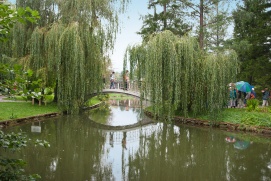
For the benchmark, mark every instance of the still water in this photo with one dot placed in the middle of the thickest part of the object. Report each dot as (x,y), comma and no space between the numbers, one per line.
(81,149)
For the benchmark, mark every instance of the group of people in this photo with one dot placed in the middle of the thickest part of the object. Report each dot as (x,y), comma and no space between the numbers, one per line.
(239,99)
(125,80)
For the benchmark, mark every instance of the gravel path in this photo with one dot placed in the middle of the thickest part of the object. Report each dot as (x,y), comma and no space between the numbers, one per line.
(2,99)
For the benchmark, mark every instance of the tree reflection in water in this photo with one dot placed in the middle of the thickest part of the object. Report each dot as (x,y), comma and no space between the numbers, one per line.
(81,151)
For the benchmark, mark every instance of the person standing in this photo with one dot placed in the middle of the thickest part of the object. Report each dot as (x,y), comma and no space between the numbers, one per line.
(266,95)
(240,103)
(253,94)
(233,97)
(112,80)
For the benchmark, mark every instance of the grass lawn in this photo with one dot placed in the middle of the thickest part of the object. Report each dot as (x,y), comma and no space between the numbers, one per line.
(262,117)
(259,117)
(242,116)
(120,96)
(12,110)
(93,101)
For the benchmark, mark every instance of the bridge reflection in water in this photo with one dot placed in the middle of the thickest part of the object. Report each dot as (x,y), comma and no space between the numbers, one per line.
(131,132)
(132,135)
(128,135)
(129,103)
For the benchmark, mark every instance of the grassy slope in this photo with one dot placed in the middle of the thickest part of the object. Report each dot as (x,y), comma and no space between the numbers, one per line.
(120,96)
(24,109)
(242,116)
(9,110)
(237,116)
(93,101)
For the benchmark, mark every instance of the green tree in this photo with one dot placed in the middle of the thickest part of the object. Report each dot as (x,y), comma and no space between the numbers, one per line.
(170,18)
(252,32)
(199,10)
(217,24)
(69,48)
(178,76)
(9,16)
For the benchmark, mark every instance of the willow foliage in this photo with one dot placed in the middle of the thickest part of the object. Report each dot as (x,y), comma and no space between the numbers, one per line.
(71,72)
(20,40)
(51,46)
(70,45)
(178,76)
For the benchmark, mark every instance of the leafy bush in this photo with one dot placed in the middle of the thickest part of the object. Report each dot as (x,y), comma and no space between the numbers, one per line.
(48,91)
(252,104)
(48,98)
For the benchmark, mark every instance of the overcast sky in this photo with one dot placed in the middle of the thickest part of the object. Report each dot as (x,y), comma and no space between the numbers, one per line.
(130,25)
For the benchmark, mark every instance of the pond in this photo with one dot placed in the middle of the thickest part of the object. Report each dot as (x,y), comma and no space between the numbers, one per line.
(100,145)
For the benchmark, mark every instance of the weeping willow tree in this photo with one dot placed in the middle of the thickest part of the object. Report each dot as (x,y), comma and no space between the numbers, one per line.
(178,76)
(68,47)
(71,71)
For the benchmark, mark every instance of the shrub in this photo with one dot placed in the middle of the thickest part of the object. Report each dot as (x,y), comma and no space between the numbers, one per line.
(252,104)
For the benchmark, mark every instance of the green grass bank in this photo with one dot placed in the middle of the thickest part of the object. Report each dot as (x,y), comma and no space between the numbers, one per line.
(14,110)
(244,118)
(21,109)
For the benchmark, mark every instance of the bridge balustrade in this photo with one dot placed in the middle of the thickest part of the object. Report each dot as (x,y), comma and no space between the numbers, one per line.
(132,85)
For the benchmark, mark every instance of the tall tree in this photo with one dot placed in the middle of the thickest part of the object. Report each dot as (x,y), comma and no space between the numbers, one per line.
(198,10)
(170,18)
(218,20)
(177,75)
(252,34)
(69,46)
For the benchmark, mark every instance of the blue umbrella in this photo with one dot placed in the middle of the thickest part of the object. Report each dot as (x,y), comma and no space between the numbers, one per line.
(241,145)
(243,86)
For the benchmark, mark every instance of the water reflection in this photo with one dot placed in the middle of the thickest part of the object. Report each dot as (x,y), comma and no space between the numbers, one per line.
(241,145)
(123,141)
(127,103)
(36,128)
(82,151)
(237,143)
(119,113)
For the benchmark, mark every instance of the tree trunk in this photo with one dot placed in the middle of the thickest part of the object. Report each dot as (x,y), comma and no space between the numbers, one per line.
(165,16)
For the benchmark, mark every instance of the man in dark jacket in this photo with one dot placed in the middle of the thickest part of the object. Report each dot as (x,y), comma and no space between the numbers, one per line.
(266,95)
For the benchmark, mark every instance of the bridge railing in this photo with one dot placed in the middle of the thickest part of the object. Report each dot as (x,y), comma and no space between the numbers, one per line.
(132,85)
